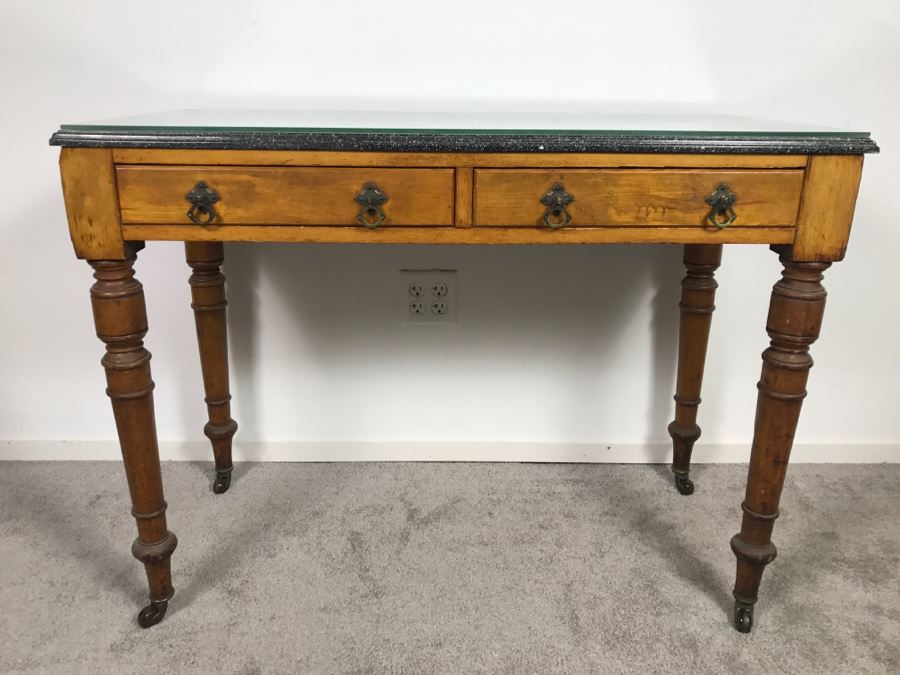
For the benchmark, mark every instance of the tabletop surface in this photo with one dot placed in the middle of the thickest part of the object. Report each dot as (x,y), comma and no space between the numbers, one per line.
(461,132)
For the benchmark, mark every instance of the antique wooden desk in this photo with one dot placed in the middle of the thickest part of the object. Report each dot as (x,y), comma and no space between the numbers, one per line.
(209,177)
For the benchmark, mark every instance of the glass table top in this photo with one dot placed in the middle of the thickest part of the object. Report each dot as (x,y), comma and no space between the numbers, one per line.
(469,123)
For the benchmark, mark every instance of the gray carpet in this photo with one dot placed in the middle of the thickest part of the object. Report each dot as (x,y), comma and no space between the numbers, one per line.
(448,568)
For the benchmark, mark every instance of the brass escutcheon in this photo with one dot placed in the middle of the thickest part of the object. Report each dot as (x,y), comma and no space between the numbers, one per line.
(370,200)
(202,198)
(556,201)
(721,200)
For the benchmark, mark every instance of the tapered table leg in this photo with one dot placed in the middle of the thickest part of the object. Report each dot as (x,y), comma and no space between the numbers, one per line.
(120,317)
(795,316)
(208,301)
(698,294)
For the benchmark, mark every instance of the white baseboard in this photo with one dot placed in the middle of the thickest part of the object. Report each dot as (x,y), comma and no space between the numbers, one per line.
(347,451)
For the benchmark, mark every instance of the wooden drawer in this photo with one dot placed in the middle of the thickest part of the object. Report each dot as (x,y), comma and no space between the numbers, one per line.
(636,197)
(285,195)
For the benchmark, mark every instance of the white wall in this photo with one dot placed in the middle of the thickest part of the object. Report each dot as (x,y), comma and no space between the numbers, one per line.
(554,345)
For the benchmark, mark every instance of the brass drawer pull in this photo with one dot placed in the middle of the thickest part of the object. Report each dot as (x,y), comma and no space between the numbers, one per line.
(202,198)
(721,214)
(370,200)
(556,201)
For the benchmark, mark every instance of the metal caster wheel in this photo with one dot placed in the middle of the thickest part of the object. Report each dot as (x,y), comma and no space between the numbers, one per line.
(153,613)
(222,482)
(684,484)
(743,618)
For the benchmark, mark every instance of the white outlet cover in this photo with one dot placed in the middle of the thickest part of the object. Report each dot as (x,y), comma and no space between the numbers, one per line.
(432,283)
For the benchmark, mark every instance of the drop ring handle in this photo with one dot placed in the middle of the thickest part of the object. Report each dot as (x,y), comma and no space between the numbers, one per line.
(370,200)
(721,202)
(556,215)
(202,198)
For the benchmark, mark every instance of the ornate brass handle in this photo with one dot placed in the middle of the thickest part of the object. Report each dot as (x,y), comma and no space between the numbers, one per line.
(556,201)
(721,200)
(202,198)
(370,200)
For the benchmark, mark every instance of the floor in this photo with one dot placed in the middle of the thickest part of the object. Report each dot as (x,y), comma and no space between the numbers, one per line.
(448,568)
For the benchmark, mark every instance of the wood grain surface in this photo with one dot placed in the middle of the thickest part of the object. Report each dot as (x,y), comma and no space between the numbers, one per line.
(286,195)
(636,197)
(451,159)
(826,211)
(463,235)
(89,190)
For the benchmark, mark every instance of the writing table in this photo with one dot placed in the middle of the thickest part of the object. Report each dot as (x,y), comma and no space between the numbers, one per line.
(206,177)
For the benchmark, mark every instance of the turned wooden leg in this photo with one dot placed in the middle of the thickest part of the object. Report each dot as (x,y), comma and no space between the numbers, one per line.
(698,294)
(121,320)
(208,295)
(795,316)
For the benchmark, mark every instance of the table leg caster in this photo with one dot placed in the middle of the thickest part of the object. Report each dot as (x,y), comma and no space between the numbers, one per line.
(153,613)
(743,617)
(684,484)
(222,482)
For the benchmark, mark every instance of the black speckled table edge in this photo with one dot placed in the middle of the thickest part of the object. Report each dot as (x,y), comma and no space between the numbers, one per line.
(778,144)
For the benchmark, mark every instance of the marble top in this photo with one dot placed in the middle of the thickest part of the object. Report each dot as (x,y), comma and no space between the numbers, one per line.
(461,132)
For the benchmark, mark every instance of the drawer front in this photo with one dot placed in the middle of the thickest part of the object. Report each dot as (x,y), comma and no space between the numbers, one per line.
(287,195)
(630,197)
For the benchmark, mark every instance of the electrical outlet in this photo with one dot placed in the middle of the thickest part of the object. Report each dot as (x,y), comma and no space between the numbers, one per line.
(429,297)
